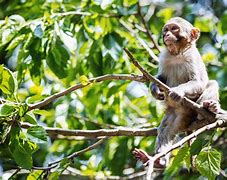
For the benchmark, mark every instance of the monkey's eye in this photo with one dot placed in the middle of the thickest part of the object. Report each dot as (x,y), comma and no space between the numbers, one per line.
(174,28)
(165,29)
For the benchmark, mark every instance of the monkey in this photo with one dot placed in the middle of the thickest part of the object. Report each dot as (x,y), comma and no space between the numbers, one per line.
(182,69)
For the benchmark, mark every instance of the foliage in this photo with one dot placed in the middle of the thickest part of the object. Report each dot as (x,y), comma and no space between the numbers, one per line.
(48,46)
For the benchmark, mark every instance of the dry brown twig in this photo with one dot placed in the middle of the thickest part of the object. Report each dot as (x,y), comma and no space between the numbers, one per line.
(148,32)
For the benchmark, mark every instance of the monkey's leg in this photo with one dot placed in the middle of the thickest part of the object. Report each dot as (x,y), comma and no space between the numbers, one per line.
(166,135)
(209,99)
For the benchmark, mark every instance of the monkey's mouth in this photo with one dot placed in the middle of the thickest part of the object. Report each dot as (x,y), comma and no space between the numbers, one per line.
(168,39)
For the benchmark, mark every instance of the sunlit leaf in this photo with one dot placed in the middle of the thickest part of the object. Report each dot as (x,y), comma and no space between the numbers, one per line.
(34,175)
(69,41)
(8,83)
(84,80)
(6,109)
(208,163)
(30,117)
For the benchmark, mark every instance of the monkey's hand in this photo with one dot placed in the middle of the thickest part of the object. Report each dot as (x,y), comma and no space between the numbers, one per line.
(155,91)
(176,93)
(212,106)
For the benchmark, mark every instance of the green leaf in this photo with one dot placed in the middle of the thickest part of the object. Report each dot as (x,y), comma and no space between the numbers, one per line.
(8,83)
(22,157)
(6,109)
(23,108)
(35,175)
(30,117)
(35,50)
(111,42)
(54,175)
(57,59)
(15,42)
(84,80)
(177,162)
(120,157)
(196,146)
(208,163)
(37,134)
(35,98)
(204,24)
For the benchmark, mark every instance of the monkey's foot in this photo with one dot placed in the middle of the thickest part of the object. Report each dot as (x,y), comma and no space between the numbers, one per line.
(141,156)
(144,158)
(159,163)
(212,106)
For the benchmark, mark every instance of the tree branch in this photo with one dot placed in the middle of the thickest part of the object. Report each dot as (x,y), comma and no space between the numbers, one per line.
(184,101)
(148,32)
(97,133)
(70,157)
(79,86)
(222,121)
(75,154)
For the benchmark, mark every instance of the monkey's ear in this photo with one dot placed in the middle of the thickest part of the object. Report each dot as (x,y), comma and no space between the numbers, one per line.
(195,33)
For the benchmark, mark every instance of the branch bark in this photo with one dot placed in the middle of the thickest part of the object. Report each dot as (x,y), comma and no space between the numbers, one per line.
(97,133)
(70,157)
(79,86)
(75,154)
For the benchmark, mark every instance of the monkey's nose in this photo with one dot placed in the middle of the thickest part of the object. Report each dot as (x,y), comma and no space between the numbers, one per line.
(167,34)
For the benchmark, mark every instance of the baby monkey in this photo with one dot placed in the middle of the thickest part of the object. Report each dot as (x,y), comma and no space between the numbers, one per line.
(182,69)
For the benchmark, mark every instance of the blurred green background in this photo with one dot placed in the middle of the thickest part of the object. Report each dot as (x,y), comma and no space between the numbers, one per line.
(47,46)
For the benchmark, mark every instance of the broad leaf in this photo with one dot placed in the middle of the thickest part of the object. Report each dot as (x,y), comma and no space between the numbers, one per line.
(6,109)
(8,83)
(208,163)
(37,134)
(22,157)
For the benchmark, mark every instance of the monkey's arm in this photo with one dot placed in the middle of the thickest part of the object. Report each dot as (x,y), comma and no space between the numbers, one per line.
(192,89)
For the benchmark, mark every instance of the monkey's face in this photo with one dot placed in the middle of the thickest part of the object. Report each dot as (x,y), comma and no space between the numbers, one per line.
(178,34)
(171,34)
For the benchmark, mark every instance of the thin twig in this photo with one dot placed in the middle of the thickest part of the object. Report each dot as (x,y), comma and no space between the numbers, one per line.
(70,157)
(75,154)
(97,133)
(148,32)
(79,86)
(218,123)
(142,42)
(18,170)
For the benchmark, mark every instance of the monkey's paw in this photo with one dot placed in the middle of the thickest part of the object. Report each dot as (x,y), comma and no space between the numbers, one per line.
(176,94)
(155,91)
(211,105)
(141,156)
